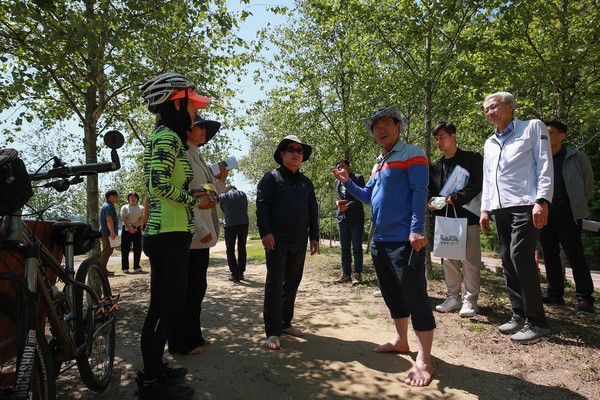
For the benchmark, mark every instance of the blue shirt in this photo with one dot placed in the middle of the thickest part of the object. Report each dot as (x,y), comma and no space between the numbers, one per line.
(397,192)
(108,209)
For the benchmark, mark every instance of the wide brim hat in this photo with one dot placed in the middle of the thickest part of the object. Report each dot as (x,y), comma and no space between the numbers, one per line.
(389,112)
(307,149)
(212,127)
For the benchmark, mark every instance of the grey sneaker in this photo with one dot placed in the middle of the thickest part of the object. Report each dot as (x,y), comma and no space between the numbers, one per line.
(530,334)
(468,309)
(514,325)
(450,304)
(356,279)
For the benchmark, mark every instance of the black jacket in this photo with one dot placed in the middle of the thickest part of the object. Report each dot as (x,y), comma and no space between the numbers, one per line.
(472,162)
(355,207)
(286,206)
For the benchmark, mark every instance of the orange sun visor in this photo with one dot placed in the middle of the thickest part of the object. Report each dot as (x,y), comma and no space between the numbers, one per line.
(199,101)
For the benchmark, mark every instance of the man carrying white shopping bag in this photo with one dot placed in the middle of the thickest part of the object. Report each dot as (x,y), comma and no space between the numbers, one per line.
(455,182)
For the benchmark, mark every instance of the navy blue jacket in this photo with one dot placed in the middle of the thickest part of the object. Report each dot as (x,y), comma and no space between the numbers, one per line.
(286,206)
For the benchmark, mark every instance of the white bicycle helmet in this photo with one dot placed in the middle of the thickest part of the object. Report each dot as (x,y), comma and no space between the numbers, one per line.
(160,88)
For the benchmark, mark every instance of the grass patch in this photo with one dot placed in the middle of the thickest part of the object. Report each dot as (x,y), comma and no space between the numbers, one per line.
(590,373)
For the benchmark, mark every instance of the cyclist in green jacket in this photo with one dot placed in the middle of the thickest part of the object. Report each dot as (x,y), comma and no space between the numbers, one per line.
(169,230)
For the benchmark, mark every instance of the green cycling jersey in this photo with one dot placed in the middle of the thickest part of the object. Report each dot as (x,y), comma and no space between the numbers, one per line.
(167,174)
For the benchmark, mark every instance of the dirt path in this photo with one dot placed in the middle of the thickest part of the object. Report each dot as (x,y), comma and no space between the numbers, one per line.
(335,359)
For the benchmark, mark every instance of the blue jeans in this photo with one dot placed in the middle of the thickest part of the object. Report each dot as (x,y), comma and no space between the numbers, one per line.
(351,233)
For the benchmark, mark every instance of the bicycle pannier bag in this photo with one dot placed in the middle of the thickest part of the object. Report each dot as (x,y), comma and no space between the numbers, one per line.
(15,185)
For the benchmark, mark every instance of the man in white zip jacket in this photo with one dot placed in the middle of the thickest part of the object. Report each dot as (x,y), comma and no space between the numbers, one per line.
(517,188)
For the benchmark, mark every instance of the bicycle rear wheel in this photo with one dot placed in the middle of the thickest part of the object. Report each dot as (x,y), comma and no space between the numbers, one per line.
(95,330)
(43,381)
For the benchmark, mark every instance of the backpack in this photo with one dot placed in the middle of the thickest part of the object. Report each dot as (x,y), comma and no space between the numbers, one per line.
(15,184)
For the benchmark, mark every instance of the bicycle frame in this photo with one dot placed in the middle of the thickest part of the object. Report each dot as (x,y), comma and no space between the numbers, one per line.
(37,258)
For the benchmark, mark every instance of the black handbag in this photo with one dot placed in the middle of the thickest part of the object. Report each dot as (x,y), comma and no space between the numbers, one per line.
(15,184)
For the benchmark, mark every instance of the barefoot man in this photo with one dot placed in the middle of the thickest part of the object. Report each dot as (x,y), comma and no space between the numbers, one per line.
(287,216)
(397,192)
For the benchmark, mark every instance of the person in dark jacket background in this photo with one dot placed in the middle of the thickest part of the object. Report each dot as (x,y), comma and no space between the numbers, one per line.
(287,216)
(351,221)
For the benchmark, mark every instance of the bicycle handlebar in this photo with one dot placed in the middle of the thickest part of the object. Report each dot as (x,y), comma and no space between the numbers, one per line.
(76,170)
(113,139)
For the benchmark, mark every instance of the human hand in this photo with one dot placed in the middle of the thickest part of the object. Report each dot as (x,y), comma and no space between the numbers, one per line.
(340,174)
(484,222)
(344,207)
(223,172)
(269,242)
(417,240)
(540,215)
(449,200)
(314,247)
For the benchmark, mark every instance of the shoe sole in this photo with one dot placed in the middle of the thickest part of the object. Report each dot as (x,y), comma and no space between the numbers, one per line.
(467,315)
(448,310)
(531,341)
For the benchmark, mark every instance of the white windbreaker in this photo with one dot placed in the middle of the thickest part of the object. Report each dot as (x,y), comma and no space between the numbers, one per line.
(519,171)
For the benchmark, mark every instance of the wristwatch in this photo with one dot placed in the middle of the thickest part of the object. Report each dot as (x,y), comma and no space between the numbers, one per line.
(542,201)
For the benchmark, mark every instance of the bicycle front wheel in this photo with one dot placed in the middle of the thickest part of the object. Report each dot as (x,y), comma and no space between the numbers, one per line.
(41,384)
(95,328)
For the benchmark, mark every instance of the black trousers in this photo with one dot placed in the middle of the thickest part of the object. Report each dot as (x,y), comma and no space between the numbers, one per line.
(518,237)
(237,233)
(563,230)
(127,240)
(285,266)
(168,255)
(187,332)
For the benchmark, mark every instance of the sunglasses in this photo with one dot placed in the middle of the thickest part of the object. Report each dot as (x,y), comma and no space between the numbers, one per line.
(293,150)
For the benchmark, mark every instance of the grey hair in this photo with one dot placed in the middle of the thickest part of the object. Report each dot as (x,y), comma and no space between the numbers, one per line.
(505,97)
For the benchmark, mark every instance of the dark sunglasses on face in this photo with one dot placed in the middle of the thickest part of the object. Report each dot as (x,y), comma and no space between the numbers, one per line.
(294,150)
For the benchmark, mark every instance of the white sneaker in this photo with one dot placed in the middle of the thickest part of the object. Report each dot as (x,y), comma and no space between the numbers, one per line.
(377,294)
(468,309)
(450,304)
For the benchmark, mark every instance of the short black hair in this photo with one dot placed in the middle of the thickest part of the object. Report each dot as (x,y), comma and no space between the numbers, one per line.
(110,193)
(342,161)
(558,125)
(134,194)
(447,126)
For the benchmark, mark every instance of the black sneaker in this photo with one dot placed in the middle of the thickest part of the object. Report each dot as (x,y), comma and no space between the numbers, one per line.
(158,389)
(173,376)
(553,300)
(585,307)
(234,279)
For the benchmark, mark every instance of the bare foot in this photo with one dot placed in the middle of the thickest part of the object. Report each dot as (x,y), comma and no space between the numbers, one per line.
(393,346)
(193,352)
(419,375)
(293,331)
(273,343)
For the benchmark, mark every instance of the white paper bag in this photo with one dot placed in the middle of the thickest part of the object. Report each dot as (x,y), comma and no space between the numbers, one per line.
(450,238)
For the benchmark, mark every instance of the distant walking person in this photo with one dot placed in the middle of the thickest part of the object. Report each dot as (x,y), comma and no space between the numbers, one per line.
(234,204)
(351,221)
(132,215)
(517,187)
(444,134)
(287,216)
(573,189)
(108,227)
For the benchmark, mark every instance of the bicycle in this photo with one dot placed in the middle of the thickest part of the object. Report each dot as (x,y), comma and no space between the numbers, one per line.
(41,326)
